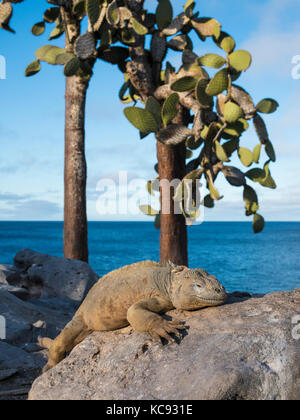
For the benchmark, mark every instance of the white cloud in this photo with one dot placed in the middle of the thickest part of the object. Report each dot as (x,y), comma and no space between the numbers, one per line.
(276,39)
(31,210)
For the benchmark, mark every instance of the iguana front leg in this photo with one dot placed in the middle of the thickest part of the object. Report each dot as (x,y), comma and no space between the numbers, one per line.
(143,316)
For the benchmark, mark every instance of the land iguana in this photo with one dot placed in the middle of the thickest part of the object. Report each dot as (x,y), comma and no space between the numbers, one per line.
(136,295)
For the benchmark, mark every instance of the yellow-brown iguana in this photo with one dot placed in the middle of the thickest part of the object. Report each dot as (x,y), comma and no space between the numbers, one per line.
(135,295)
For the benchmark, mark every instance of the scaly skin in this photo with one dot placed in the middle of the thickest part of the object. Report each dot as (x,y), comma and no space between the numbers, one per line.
(136,295)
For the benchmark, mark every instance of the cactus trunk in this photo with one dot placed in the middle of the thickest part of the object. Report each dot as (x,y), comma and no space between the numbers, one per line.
(173,230)
(75,217)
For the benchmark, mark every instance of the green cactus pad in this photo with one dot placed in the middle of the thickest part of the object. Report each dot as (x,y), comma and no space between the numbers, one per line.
(214,193)
(261,129)
(184,84)
(270,151)
(256,153)
(246,156)
(268,181)
(85,46)
(234,176)
(232,112)
(267,106)
(179,43)
(206,27)
(153,106)
(93,10)
(169,109)
(220,152)
(226,42)
(256,174)
(208,202)
(142,119)
(164,14)
(218,83)
(51,14)
(231,146)
(258,223)
(251,200)
(240,60)
(48,53)
(204,100)
(72,66)
(38,29)
(138,27)
(56,33)
(214,61)
(33,68)
(64,58)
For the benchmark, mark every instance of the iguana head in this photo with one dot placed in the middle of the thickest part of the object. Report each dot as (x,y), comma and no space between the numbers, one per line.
(194,289)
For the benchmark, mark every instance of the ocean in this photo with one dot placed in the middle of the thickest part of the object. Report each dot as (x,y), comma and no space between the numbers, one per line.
(242,261)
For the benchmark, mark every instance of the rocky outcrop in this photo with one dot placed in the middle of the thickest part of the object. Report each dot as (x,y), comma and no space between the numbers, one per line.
(26,321)
(38,297)
(19,292)
(21,359)
(50,277)
(9,274)
(18,369)
(243,350)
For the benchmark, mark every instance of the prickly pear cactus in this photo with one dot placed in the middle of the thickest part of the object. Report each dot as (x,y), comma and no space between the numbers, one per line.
(207,86)
(221,111)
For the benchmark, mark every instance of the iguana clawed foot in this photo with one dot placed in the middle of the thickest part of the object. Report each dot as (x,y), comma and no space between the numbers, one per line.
(47,367)
(163,329)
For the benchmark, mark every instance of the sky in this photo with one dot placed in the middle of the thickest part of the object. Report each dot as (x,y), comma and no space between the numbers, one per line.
(32,116)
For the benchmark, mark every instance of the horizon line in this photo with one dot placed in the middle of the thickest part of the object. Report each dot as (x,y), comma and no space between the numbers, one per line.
(144,221)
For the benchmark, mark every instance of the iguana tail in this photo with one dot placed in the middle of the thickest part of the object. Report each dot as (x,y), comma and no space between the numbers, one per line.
(46,343)
(74,332)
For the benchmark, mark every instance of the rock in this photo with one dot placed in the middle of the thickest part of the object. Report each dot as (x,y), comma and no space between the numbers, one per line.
(31,348)
(12,357)
(26,258)
(26,321)
(8,274)
(17,371)
(241,295)
(21,359)
(50,277)
(7,373)
(243,350)
(19,292)
(64,306)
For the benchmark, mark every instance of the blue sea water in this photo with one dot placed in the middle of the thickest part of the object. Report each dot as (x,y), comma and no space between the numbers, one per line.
(241,260)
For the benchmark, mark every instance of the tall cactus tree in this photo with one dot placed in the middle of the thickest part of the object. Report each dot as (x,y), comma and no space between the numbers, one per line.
(187,108)
(218,110)
(78,58)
